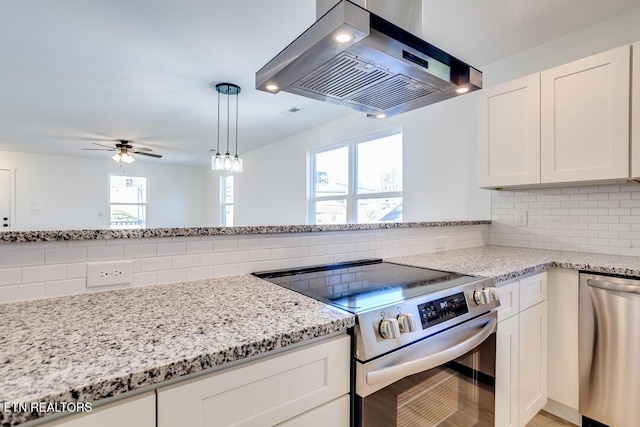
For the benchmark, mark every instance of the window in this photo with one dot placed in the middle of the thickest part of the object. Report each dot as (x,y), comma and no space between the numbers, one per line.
(226,202)
(127,202)
(358,182)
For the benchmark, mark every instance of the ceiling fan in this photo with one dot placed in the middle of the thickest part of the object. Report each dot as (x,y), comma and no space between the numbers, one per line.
(124,150)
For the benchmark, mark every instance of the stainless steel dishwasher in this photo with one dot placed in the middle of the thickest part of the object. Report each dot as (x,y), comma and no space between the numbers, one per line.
(609,348)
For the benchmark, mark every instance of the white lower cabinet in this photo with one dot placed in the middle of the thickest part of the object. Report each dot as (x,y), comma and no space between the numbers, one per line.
(521,351)
(563,380)
(297,387)
(139,411)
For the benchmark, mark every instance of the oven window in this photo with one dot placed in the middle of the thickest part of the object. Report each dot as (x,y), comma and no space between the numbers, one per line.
(459,393)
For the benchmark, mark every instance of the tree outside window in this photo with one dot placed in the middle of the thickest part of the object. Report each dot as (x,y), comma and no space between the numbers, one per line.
(358,182)
(127,202)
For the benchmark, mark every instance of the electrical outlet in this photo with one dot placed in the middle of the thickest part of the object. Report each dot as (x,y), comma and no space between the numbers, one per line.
(521,218)
(108,273)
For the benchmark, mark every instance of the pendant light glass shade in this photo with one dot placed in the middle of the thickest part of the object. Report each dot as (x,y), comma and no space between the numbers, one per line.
(226,162)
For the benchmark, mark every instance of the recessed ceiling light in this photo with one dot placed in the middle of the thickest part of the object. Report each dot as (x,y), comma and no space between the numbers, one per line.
(381,116)
(462,90)
(343,37)
(271,87)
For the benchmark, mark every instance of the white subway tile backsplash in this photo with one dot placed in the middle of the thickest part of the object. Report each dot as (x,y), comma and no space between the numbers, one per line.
(22,292)
(44,273)
(104,253)
(56,268)
(65,287)
(197,273)
(200,246)
(140,251)
(592,219)
(23,257)
(172,248)
(65,255)
(155,264)
(77,270)
(10,276)
(172,276)
(184,261)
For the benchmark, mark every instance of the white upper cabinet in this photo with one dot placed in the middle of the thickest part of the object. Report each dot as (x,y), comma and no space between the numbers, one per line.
(566,124)
(585,119)
(509,133)
(635,112)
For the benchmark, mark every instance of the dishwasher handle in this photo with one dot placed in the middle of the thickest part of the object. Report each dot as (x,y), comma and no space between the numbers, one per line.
(611,286)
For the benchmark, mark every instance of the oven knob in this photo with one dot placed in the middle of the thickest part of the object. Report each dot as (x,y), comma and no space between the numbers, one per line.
(389,329)
(485,296)
(406,323)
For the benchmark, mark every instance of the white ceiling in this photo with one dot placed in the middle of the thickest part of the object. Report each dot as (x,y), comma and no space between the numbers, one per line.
(77,71)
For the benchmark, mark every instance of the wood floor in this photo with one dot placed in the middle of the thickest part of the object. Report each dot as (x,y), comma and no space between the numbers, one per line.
(545,419)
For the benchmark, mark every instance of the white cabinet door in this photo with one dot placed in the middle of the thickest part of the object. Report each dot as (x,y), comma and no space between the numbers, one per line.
(139,411)
(509,133)
(635,112)
(507,348)
(265,392)
(585,119)
(533,362)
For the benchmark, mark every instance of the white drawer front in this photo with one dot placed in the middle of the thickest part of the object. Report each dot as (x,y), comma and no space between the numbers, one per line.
(509,295)
(264,392)
(533,290)
(334,414)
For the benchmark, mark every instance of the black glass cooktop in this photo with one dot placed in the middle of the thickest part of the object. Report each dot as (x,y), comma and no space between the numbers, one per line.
(359,286)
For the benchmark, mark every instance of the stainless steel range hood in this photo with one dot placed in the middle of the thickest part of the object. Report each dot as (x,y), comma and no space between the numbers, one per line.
(379,68)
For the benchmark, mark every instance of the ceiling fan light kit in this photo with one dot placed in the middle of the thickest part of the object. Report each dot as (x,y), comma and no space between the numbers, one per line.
(227,162)
(123,157)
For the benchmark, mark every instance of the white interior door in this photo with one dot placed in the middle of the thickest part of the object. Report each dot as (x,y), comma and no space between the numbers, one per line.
(6,199)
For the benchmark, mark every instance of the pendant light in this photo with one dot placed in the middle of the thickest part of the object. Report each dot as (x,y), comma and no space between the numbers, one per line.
(227,163)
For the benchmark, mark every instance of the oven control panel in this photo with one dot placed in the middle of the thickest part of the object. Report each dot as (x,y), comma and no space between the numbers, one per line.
(443,309)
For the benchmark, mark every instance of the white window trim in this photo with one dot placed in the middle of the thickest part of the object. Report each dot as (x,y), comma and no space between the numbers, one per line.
(352,195)
(145,204)
(223,204)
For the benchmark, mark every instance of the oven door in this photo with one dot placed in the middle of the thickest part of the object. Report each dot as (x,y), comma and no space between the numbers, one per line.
(445,380)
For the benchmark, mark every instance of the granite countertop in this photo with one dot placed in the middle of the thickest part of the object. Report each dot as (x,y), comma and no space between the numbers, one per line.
(106,234)
(88,347)
(504,263)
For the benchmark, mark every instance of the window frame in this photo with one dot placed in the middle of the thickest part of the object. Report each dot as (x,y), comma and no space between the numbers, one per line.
(223,203)
(352,197)
(145,205)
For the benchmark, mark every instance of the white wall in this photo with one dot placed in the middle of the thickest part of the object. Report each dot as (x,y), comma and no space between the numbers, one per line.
(61,192)
(439,166)
(615,32)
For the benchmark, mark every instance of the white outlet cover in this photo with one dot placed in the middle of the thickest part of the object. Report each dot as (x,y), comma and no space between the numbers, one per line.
(521,218)
(102,273)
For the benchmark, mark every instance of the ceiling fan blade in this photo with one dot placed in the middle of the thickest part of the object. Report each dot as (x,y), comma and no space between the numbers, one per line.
(103,145)
(99,149)
(147,154)
(143,149)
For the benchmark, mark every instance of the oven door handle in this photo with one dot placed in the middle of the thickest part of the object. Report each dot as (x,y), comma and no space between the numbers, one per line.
(395,372)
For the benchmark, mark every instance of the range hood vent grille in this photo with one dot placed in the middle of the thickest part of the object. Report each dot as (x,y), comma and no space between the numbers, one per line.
(393,92)
(341,77)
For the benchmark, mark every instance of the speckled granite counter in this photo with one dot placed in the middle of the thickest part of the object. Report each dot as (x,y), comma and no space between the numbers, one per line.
(104,234)
(88,347)
(505,263)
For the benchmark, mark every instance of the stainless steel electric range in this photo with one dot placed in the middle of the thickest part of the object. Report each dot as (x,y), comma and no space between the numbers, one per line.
(424,340)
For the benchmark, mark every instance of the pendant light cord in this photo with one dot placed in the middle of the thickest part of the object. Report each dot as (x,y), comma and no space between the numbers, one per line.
(228,103)
(218,145)
(237,122)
